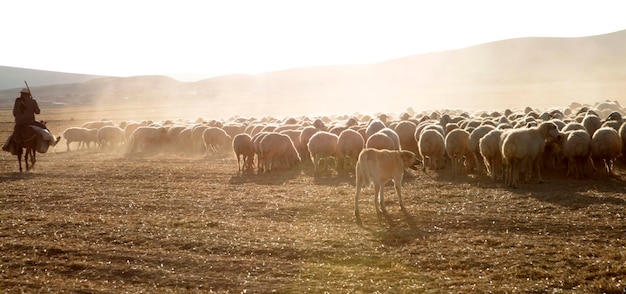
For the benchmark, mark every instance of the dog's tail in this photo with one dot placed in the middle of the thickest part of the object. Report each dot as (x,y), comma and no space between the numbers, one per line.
(363,172)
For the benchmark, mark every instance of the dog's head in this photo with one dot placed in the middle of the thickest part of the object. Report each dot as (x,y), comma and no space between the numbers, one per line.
(409,159)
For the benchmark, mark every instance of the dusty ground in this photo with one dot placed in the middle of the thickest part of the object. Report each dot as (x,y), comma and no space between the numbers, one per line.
(99,222)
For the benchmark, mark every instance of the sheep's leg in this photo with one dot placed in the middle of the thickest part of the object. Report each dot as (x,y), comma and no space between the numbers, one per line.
(239,162)
(381,196)
(538,166)
(514,173)
(359,185)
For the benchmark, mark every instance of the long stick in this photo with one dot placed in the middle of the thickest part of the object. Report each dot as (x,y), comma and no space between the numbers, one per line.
(29,92)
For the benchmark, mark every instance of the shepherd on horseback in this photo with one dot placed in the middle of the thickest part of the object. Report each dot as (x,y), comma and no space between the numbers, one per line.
(27,129)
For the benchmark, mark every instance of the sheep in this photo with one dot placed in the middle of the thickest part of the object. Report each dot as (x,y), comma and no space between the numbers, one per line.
(572,126)
(349,146)
(606,145)
(233,129)
(591,122)
(521,148)
(322,144)
(457,147)
(131,127)
(81,135)
(489,146)
(172,136)
(97,124)
(393,136)
(197,141)
(380,141)
(305,136)
(432,147)
(474,144)
(184,141)
(576,147)
(614,120)
(145,139)
(256,143)
(406,134)
(278,152)
(373,127)
(215,139)
(244,149)
(294,135)
(110,135)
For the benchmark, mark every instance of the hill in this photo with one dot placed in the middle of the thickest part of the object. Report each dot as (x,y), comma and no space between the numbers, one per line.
(14,77)
(542,72)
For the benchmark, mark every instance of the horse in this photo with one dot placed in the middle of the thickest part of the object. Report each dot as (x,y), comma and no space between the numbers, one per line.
(25,137)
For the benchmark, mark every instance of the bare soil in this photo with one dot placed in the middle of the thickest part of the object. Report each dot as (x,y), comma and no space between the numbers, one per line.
(93,221)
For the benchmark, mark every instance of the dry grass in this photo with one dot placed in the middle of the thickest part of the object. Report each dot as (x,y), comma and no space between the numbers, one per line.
(91,221)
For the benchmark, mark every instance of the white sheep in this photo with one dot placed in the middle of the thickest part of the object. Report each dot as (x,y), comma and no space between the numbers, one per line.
(458,149)
(395,139)
(97,124)
(81,135)
(380,141)
(373,127)
(294,135)
(474,144)
(305,136)
(110,135)
(573,126)
(406,135)
(233,129)
(432,149)
(576,147)
(256,143)
(244,150)
(607,146)
(489,146)
(522,148)
(132,126)
(349,146)
(322,145)
(197,141)
(146,139)
(591,122)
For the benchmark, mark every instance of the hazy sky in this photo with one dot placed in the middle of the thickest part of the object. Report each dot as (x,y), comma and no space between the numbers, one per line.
(132,37)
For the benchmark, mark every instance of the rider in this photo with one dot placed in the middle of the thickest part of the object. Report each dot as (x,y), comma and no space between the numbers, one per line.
(24,111)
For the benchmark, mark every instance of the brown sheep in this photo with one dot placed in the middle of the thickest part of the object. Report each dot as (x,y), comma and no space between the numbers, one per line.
(278,152)
(244,149)
(216,140)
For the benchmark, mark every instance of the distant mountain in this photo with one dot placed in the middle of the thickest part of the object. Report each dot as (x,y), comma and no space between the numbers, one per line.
(538,72)
(14,77)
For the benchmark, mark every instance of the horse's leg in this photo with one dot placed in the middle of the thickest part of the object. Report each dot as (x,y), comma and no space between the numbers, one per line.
(19,156)
(26,157)
(33,158)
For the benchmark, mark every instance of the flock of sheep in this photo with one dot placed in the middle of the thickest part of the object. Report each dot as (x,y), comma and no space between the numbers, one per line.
(506,145)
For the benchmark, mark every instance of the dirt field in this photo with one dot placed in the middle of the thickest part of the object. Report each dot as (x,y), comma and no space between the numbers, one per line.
(99,222)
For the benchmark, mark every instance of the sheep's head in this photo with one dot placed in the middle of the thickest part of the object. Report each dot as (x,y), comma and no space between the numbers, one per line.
(616,116)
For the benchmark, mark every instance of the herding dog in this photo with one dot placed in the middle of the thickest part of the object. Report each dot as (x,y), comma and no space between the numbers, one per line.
(378,167)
